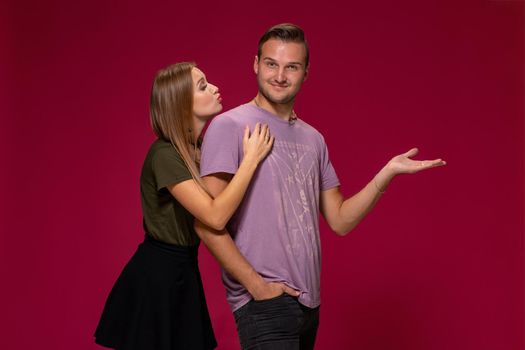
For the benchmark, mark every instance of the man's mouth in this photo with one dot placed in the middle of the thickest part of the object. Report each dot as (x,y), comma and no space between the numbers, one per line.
(280,87)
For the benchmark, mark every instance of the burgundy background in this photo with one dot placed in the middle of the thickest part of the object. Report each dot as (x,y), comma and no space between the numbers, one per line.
(439,264)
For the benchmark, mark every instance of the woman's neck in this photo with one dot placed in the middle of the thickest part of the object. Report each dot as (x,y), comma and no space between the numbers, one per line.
(196,130)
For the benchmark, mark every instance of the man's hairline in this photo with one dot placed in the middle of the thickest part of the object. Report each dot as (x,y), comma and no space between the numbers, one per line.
(259,59)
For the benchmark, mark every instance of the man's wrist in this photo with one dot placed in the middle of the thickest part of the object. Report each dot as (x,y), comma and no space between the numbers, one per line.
(383,178)
(255,285)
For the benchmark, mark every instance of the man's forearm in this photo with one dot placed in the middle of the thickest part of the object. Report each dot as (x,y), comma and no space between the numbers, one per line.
(221,245)
(354,209)
(348,213)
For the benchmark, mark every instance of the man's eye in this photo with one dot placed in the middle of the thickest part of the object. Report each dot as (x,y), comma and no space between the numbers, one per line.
(271,64)
(292,67)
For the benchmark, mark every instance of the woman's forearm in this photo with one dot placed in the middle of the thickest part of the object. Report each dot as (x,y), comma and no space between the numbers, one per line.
(225,204)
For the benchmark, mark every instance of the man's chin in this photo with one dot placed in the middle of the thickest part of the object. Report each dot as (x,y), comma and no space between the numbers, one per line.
(280,100)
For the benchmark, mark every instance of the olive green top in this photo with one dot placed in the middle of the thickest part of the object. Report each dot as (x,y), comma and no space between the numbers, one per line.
(165,219)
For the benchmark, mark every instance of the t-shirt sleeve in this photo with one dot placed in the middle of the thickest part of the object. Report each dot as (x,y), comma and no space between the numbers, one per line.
(221,152)
(328,177)
(169,168)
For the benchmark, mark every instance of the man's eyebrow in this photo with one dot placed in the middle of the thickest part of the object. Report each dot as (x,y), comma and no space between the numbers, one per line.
(272,60)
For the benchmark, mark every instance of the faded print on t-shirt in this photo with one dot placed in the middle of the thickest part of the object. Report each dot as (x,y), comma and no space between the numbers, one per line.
(276,227)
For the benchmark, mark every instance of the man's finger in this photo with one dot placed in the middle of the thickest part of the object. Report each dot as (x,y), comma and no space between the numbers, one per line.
(290,291)
(433,163)
(412,152)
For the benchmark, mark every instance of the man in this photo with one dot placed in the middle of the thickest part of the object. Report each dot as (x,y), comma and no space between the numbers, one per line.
(272,265)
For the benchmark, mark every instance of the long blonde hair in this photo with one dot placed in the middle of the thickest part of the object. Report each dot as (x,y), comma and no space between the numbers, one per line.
(171,113)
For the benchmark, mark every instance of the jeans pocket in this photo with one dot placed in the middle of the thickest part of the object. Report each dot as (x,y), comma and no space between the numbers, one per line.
(262,301)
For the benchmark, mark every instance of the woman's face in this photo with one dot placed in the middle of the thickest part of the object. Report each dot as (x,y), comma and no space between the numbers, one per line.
(206,97)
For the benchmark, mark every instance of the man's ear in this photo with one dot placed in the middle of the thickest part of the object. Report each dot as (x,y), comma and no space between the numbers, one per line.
(256,64)
(306,73)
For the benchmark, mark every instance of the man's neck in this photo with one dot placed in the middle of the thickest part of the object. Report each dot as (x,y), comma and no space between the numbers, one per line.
(283,111)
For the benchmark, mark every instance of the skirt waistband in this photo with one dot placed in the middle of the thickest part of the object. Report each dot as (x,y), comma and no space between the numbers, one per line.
(185,252)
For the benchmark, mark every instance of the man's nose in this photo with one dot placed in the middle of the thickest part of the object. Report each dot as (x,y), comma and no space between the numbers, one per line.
(281,76)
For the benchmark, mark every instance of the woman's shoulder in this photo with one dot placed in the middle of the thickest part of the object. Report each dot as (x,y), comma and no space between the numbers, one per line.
(163,149)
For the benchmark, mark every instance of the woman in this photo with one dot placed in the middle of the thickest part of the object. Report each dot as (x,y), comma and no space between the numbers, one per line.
(158,300)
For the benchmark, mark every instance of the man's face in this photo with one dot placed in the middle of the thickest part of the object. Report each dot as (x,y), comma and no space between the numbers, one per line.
(280,70)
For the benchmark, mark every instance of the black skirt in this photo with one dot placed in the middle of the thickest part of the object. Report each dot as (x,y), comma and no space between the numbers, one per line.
(157,302)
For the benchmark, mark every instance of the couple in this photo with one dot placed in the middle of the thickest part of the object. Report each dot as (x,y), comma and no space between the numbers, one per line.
(270,254)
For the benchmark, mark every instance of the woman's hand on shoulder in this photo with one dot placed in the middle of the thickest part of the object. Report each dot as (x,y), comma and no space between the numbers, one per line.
(257,145)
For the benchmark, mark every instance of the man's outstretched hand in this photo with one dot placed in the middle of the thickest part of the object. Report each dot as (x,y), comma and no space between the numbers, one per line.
(402,164)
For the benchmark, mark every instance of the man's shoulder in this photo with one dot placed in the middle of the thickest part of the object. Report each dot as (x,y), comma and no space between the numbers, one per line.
(311,131)
(234,115)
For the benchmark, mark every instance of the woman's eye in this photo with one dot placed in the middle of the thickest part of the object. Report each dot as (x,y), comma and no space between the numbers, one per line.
(203,87)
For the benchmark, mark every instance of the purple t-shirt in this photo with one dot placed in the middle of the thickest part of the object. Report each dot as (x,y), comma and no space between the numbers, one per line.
(276,227)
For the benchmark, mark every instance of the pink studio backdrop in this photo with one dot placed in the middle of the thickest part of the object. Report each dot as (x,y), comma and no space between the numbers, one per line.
(437,265)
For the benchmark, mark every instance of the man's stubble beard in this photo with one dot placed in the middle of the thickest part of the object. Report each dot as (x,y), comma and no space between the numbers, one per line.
(290,98)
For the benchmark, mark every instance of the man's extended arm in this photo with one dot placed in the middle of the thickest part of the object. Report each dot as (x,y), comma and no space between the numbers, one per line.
(343,215)
(221,245)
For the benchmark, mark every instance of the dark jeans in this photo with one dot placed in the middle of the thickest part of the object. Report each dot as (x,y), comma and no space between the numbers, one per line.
(280,323)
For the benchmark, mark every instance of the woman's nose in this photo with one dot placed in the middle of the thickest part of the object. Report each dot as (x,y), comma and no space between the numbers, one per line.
(214,89)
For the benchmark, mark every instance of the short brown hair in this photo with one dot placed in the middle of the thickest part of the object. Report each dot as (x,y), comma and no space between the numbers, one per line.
(286,32)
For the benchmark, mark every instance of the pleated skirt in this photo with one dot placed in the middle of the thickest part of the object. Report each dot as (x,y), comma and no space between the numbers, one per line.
(157,302)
